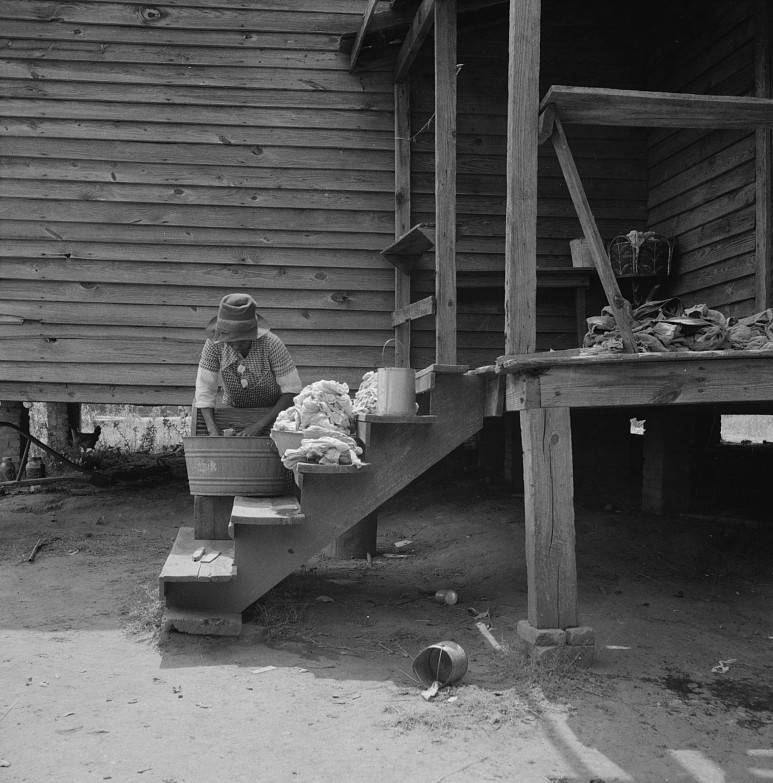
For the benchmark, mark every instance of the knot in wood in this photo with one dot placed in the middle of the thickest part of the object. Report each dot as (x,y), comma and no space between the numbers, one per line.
(149,14)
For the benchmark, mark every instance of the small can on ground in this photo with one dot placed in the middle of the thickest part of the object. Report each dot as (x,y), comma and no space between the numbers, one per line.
(229,433)
(35,468)
(448,597)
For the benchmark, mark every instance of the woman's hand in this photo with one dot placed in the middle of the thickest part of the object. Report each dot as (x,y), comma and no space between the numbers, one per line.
(259,428)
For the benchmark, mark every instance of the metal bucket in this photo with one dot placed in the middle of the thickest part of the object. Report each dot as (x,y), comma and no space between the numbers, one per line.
(444,663)
(235,466)
(396,391)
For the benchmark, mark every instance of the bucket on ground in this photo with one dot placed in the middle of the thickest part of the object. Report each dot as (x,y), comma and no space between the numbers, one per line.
(250,466)
(396,391)
(444,663)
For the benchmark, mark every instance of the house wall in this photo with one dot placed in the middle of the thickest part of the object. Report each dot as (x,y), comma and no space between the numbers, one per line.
(582,44)
(155,159)
(702,189)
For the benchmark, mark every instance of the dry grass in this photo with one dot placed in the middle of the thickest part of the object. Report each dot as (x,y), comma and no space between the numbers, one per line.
(145,612)
(280,611)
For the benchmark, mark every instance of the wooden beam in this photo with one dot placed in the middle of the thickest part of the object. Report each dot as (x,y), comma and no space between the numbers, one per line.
(649,379)
(445,181)
(545,125)
(402,215)
(420,27)
(413,311)
(549,505)
(360,37)
(620,307)
(637,108)
(521,223)
(763,20)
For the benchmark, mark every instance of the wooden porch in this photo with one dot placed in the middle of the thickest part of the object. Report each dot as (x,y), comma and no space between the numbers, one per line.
(545,387)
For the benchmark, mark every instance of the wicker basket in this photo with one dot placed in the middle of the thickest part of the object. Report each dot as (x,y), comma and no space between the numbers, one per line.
(641,254)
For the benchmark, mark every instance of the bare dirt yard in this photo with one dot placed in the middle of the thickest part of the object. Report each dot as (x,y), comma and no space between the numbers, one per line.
(319,687)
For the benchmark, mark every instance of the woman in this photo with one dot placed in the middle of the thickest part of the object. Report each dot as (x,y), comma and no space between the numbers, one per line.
(255,366)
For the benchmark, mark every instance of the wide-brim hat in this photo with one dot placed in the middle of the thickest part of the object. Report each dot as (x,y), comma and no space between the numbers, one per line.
(237,319)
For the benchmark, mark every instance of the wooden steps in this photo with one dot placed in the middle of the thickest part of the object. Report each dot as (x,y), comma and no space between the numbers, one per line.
(181,567)
(265,511)
(268,540)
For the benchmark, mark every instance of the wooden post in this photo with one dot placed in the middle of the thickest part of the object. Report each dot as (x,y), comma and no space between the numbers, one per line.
(549,506)
(402,212)
(667,461)
(763,159)
(357,542)
(521,223)
(620,307)
(445,181)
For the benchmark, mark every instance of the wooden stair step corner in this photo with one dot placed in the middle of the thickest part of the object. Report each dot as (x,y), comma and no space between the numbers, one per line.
(284,510)
(180,565)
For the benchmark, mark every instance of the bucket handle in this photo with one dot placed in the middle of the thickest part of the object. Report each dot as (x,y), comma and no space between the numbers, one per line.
(390,340)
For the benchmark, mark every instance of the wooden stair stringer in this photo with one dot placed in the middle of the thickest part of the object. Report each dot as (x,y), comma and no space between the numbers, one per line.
(332,504)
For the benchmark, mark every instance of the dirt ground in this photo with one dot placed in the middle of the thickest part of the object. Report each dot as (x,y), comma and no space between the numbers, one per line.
(324,691)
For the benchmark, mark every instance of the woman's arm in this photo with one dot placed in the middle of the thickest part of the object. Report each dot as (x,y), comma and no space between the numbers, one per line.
(208,414)
(206,387)
(264,425)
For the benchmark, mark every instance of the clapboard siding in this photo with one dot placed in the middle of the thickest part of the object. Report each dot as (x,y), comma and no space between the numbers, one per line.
(585,46)
(702,183)
(155,159)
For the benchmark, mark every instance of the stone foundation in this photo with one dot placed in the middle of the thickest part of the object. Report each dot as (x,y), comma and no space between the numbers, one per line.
(574,646)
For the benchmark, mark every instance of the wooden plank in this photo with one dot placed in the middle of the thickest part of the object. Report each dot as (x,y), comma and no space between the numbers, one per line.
(413,311)
(600,106)
(521,212)
(620,308)
(549,508)
(443,369)
(420,27)
(648,379)
(360,37)
(402,333)
(545,125)
(180,566)
(266,511)
(763,159)
(211,514)
(445,181)
(413,242)
(114,13)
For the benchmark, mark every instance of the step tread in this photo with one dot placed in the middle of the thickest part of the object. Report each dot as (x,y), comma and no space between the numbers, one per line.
(181,567)
(284,510)
(315,467)
(389,418)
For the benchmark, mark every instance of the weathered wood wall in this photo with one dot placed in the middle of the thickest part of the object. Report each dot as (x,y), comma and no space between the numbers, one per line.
(156,158)
(582,44)
(702,184)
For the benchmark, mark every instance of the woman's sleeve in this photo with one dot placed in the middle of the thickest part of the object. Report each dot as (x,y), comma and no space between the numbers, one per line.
(283,367)
(207,377)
